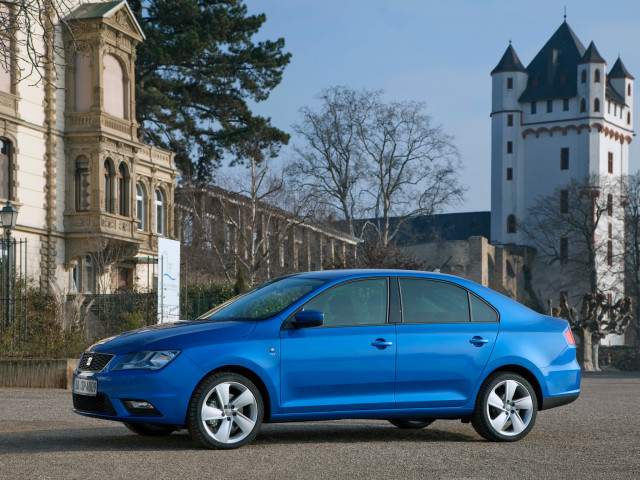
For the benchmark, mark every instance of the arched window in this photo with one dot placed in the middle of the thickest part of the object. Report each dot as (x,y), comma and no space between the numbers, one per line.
(629,89)
(82,184)
(161,210)
(583,76)
(141,210)
(628,118)
(82,85)
(596,76)
(511,224)
(123,190)
(6,169)
(596,105)
(114,87)
(109,203)
(583,105)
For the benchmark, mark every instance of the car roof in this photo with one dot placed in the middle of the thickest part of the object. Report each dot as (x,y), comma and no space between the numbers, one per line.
(368,272)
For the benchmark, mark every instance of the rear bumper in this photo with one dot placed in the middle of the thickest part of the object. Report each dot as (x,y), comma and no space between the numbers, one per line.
(558,401)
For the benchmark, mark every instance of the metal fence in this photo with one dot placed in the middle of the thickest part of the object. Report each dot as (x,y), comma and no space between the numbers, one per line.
(13,284)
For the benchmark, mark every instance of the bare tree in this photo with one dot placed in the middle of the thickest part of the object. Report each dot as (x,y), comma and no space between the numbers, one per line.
(597,319)
(329,161)
(570,227)
(364,157)
(413,166)
(28,40)
(632,245)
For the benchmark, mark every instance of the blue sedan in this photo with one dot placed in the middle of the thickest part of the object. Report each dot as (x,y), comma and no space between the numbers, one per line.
(410,347)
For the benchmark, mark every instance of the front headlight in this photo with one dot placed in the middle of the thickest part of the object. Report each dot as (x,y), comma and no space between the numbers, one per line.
(153,360)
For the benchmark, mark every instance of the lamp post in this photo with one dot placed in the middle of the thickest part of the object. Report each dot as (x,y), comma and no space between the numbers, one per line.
(8,217)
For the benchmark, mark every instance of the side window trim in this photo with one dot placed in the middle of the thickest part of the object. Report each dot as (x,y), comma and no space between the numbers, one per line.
(470,293)
(288,325)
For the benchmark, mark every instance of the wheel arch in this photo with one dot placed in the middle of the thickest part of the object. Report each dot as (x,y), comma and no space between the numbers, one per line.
(251,375)
(529,377)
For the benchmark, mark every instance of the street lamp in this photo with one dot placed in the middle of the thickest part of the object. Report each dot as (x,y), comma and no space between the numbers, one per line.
(8,217)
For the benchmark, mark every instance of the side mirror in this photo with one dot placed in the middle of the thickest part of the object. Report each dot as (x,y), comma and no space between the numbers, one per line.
(308,318)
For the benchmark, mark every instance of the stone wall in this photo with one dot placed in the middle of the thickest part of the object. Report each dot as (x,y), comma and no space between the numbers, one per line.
(37,373)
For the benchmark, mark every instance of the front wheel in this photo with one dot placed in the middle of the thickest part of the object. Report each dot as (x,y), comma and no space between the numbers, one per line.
(506,408)
(408,424)
(225,411)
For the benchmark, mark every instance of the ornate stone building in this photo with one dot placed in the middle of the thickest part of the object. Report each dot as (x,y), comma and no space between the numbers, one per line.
(92,198)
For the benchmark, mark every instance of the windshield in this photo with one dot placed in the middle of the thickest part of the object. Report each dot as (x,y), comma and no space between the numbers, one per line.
(264,301)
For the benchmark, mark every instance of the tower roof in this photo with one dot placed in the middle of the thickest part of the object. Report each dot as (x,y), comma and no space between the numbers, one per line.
(592,55)
(553,71)
(509,62)
(619,70)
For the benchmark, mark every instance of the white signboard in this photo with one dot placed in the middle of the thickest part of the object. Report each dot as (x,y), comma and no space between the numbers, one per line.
(168,280)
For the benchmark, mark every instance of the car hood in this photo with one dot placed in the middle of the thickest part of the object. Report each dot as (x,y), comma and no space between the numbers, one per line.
(175,335)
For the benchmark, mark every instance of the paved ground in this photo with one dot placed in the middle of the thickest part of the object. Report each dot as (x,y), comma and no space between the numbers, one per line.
(596,437)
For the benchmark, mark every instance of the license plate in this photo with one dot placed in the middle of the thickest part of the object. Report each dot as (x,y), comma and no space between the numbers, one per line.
(85,386)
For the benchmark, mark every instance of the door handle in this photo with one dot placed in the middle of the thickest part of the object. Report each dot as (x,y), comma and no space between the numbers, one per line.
(381,343)
(478,341)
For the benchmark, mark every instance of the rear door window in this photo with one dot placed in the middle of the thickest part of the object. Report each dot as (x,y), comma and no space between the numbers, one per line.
(432,301)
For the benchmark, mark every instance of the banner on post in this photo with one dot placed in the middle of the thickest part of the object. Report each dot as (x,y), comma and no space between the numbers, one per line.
(168,280)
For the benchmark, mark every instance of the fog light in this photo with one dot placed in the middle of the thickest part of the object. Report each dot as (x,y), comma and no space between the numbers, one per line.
(141,408)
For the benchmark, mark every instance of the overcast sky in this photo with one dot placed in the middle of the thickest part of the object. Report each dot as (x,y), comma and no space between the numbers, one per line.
(437,52)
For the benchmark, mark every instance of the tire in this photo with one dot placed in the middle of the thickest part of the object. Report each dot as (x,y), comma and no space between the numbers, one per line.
(151,429)
(411,424)
(506,408)
(225,411)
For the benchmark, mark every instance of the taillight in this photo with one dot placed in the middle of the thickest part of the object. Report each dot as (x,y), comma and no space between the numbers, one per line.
(569,336)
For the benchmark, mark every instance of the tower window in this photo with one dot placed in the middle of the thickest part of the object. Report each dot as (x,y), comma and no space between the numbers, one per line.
(608,106)
(565,104)
(583,105)
(629,89)
(509,147)
(583,76)
(549,106)
(510,120)
(509,83)
(628,118)
(511,224)
(534,108)
(564,250)
(564,201)
(596,105)
(596,76)
(615,109)
(564,158)
(610,205)
(509,173)
(610,162)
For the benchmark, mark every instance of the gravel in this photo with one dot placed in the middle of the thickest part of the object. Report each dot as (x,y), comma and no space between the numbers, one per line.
(598,437)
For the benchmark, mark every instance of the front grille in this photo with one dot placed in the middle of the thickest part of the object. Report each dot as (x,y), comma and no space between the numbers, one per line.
(94,362)
(98,404)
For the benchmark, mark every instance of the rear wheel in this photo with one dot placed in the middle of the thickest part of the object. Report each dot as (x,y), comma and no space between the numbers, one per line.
(225,411)
(411,424)
(506,408)
(151,429)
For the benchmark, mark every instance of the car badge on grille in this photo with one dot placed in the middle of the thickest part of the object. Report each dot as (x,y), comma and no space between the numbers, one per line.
(89,360)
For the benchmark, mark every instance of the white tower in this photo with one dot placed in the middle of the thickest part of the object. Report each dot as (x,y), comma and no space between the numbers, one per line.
(561,118)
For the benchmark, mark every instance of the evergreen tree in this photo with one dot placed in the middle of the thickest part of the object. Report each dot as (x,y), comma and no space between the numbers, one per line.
(194,75)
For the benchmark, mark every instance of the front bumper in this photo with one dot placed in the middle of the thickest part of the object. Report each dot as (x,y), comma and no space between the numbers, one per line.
(168,390)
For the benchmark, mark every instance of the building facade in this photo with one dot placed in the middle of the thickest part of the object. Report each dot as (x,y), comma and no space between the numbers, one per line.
(562,118)
(223,232)
(92,198)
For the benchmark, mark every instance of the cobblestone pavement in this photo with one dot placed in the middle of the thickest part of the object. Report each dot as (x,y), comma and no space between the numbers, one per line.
(598,437)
